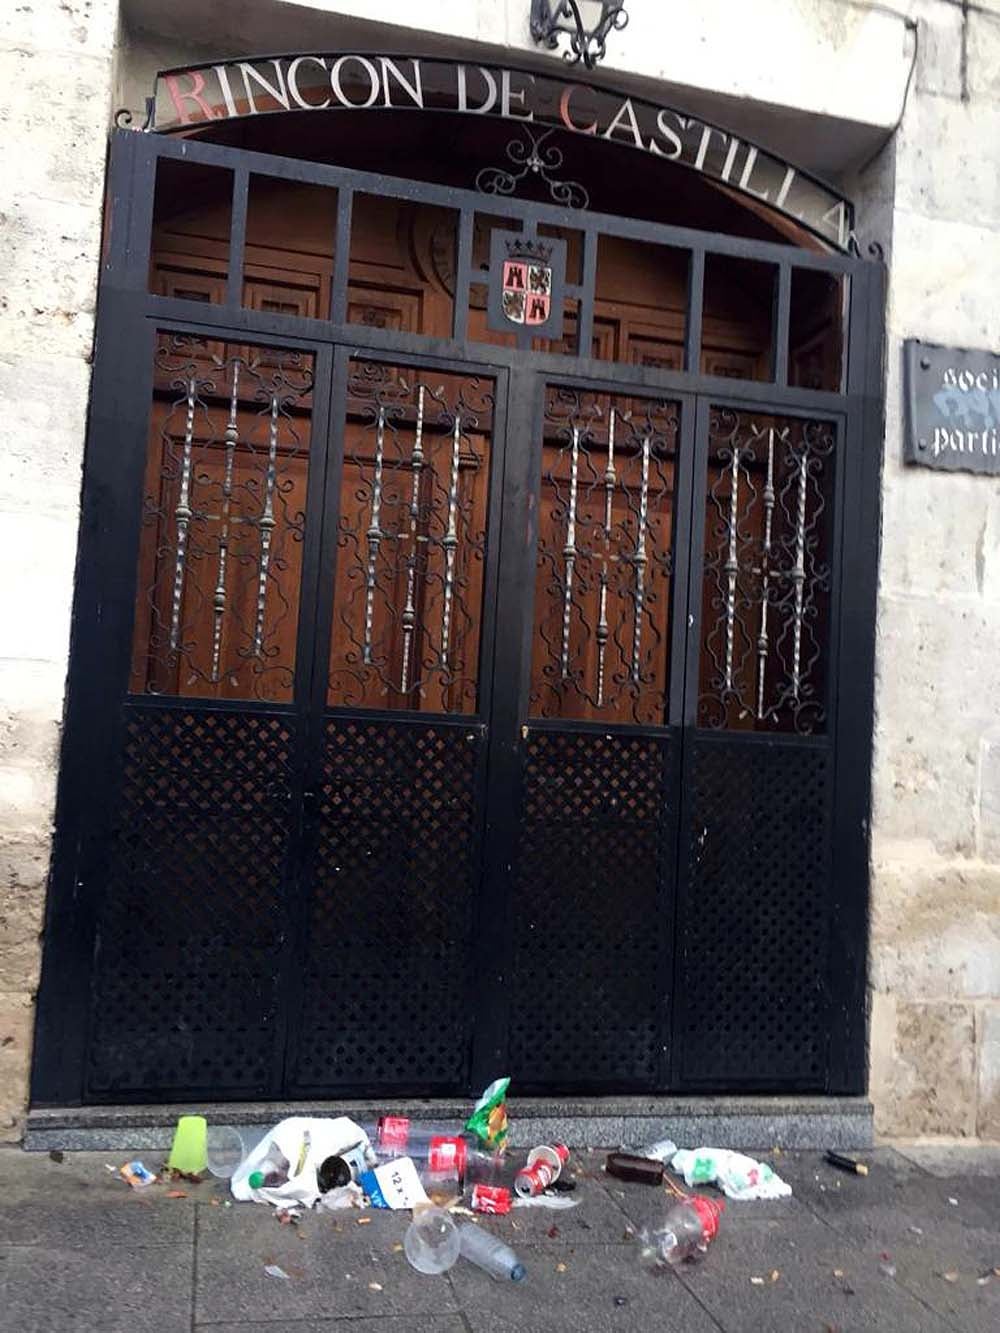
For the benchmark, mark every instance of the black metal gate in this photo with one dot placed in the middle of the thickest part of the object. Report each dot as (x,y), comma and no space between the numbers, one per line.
(441,709)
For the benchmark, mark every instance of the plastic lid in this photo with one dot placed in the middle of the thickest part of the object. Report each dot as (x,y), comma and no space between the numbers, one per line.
(255,1179)
(518,1273)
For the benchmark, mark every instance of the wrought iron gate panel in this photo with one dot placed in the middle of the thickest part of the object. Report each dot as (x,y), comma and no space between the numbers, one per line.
(391,886)
(753,915)
(301,867)
(592,889)
(187,975)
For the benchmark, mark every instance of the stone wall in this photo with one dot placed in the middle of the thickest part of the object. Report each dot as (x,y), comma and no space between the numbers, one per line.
(55,95)
(935,954)
(821,78)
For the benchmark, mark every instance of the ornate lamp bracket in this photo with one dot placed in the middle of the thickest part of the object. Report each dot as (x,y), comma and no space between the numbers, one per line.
(552,19)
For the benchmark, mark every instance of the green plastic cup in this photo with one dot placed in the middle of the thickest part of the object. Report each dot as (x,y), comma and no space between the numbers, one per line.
(190,1147)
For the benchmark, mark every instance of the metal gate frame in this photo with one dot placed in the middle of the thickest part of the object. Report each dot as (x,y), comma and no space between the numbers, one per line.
(115,457)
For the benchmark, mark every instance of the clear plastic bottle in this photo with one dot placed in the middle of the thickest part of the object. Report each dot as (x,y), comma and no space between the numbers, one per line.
(687,1230)
(490,1254)
(432,1241)
(273,1171)
(440,1145)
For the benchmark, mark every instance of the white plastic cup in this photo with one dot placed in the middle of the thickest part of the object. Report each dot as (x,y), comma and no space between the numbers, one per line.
(225,1150)
(432,1241)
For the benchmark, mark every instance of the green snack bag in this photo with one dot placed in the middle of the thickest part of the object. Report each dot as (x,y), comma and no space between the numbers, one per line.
(489,1116)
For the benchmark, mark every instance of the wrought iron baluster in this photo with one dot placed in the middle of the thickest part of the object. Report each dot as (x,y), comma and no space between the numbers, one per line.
(569,550)
(266,525)
(219,602)
(602,623)
(410,611)
(610,477)
(763,642)
(182,516)
(732,566)
(602,635)
(374,535)
(450,544)
(799,572)
(640,559)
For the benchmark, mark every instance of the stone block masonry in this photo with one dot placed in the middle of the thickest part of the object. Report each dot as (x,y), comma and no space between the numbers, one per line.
(56,60)
(935,943)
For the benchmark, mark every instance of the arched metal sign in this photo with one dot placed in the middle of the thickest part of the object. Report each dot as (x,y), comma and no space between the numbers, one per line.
(189,98)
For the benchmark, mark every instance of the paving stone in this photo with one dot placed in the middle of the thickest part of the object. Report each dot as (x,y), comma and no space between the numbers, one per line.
(805,1295)
(954,1160)
(447,1323)
(57,1289)
(330,1260)
(601,1289)
(81,1252)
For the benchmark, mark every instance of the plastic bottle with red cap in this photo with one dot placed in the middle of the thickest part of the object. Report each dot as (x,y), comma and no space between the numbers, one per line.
(688,1229)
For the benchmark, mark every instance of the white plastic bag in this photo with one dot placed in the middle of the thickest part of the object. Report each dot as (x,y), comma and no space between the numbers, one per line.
(737,1176)
(319,1138)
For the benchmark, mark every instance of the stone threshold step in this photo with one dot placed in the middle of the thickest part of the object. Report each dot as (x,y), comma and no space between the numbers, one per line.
(746,1123)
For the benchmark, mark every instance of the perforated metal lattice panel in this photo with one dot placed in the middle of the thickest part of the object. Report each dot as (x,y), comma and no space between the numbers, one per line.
(189,936)
(589,899)
(396,867)
(754,916)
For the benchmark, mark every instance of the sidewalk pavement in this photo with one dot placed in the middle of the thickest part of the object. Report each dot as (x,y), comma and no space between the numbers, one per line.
(912,1248)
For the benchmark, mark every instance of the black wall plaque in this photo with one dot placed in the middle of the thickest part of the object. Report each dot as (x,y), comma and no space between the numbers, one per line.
(952,408)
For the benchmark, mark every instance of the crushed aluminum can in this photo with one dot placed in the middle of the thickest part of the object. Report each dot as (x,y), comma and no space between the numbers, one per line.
(493,1199)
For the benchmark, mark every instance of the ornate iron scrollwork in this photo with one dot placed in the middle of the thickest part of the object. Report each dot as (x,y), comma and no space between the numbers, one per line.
(530,158)
(412,542)
(767,573)
(552,19)
(223,523)
(605,558)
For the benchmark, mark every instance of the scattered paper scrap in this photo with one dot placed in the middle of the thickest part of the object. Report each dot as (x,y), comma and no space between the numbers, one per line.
(756,1281)
(838,1272)
(363,1221)
(775,1274)
(136,1175)
(374,1286)
(272,1270)
(560,1268)
(953,1202)
(950,1276)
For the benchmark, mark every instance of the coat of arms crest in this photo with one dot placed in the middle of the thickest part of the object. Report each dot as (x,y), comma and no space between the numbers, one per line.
(526,283)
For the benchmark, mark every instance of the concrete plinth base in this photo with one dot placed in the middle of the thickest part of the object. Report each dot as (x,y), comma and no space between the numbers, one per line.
(757,1123)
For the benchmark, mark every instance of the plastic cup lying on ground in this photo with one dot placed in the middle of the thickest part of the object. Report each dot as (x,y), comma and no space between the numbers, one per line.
(432,1241)
(225,1150)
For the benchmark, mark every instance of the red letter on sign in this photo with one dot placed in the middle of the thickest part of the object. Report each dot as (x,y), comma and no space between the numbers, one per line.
(194,94)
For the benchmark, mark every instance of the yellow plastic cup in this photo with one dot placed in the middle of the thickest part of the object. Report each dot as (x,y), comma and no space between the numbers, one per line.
(189,1152)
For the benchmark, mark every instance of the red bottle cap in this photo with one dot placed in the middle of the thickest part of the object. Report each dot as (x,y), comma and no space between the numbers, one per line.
(709,1211)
